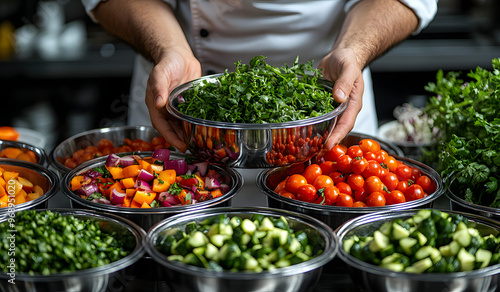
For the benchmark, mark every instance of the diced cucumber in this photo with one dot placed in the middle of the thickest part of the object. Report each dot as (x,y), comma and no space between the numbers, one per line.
(461,226)
(419,266)
(225,229)
(235,221)
(197,239)
(396,267)
(451,249)
(250,263)
(213,230)
(190,227)
(295,246)
(409,245)
(379,242)
(462,236)
(422,240)
(301,236)
(218,239)
(175,257)
(192,259)
(386,228)
(248,226)
(348,244)
(428,251)
(399,232)
(280,234)
(483,256)
(393,258)
(266,225)
(211,251)
(424,213)
(200,250)
(466,260)
(181,247)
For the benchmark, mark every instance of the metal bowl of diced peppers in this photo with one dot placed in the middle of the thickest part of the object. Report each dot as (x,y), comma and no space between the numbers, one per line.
(233,263)
(444,255)
(227,180)
(247,145)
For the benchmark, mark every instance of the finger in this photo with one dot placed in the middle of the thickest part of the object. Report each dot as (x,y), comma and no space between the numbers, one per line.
(344,84)
(164,127)
(158,85)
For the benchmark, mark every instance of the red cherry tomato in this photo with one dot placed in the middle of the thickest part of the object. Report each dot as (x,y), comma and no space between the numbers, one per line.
(414,192)
(323,181)
(360,195)
(359,204)
(373,184)
(344,188)
(287,195)
(372,169)
(344,200)
(330,194)
(391,163)
(395,197)
(403,172)
(312,172)
(375,199)
(355,181)
(328,167)
(402,186)
(334,153)
(354,151)
(338,177)
(369,145)
(294,182)
(307,193)
(390,180)
(344,164)
(426,183)
(358,165)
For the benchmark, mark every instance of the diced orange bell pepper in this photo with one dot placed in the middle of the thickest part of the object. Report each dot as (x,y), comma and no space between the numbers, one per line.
(155,168)
(130,192)
(216,193)
(10,152)
(116,172)
(7,175)
(134,204)
(143,164)
(168,176)
(32,196)
(4,201)
(20,198)
(145,205)
(128,182)
(185,197)
(76,182)
(3,193)
(131,170)
(142,197)
(160,185)
(221,152)
(126,201)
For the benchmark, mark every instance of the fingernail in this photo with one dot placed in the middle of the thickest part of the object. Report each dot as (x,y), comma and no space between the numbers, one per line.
(158,99)
(340,93)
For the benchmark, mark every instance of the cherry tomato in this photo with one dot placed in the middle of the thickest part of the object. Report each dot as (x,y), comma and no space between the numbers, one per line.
(294,182)
(323,181)
(328,167)
(158,141)
(373,184)
(334,153)
(344,200)
(307,193)
(391,163)
(402,186)
(338,177)
(344,188)
(312,172)
(375,199)
(426,183)
(355,181)
(372,169)
(414,192)
(403,172)
(280,187)
(344,164)
(395,197)
(415,174)
(296,168)
(354,151)
(381,156)
(370,156)
(330,194)
(104,143)
(369,145)
(390,180)
(358,165)
(360,195)
(383,171)
(287,195)
(359,204)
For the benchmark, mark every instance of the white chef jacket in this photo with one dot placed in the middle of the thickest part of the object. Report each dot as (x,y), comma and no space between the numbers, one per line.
(222,32)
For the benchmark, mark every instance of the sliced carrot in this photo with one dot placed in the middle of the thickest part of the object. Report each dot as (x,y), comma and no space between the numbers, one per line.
(160,185)
(131,170)
(76,182)
(128,182)
(116,172)
(141,197)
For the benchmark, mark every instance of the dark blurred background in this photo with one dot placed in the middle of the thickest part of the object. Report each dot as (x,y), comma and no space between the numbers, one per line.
(61,74)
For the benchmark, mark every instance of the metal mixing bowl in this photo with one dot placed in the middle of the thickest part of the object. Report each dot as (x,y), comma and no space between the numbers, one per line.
(147,217)
(334,216)
(38,175)
(299,277)
(253,145)
(92,137)
(42,158)
(459,204)
(370,278)
(110,277)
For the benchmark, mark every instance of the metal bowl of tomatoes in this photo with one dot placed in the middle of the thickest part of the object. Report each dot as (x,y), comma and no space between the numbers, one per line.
(246,145)
(335,192)
(94,143)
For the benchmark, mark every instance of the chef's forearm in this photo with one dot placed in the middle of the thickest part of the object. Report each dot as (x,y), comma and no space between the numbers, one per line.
(147,25)
(373,26)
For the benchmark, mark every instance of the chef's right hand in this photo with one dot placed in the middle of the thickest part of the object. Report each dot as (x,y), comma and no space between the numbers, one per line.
(173,69)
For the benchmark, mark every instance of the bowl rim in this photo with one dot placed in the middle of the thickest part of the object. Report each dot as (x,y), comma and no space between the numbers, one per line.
(52,178)
(110,268)
(172,109)
(236,176)
(329,252)
(63,169)
(263,175)
(43,158)
(353,262)
(457,200)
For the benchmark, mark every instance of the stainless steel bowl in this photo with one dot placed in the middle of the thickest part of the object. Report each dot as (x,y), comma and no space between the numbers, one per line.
(42,158)
(459,204)
(110,277)
(146,218)
(38,175)
(253,145)
(92,137)
(371,278)
(334,216)
(300,277)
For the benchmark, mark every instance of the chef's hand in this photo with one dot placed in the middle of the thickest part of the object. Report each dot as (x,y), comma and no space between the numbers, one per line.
(341,67)
(173,69)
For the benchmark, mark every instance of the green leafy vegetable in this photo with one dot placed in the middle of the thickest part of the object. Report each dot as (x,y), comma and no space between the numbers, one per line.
(260,93)
(467,115)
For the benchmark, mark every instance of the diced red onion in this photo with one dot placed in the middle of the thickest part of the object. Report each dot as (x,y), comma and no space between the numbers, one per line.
(127,160)
(104,201)
(112,160)
(117,197)
(191,169)
(88,189)
(144,175)
(161,154)
(92,174)
(180,98)
(202,167)
(179,165)
(142,185)
(211,183)
(95,201)
(224,188)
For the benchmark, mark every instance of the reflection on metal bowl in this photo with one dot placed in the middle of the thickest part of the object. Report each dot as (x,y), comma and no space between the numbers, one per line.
(371,278)
(299,277)
(253,145)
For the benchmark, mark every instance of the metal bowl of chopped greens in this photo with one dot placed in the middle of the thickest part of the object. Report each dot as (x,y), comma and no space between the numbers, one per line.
(256,117)
(68,250)
(241,249)
(422,250)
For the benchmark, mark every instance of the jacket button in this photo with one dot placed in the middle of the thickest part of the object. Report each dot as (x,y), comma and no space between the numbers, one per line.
(204,33)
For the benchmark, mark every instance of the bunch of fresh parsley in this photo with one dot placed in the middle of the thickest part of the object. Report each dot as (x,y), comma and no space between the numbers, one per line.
(467,115)
(260,93)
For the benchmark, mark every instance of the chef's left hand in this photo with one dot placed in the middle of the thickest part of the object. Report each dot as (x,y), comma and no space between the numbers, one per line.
(341,67)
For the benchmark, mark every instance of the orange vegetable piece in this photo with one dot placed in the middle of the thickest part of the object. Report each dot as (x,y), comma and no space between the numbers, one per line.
(131,170)
(144,164)
(116,172)
(116,185)
(4,201)
(145,205)
(33,196)
(168,176)
(142,197)
(7,175)
(38,189)
(25,157)
(134,204)
(127,200)
(8,133)
(160,185)
(3,193)
(128,182)
(20,198)
(11,152)
(76,182)
(2,182)
(185,197)
(130,193)
(216,193)
(154,168)
(32,154)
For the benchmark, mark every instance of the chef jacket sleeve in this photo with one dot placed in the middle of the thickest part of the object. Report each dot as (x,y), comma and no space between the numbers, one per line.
(89,5)
(424,9)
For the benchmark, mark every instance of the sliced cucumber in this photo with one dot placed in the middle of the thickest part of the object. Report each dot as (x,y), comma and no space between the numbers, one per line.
(379,242)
